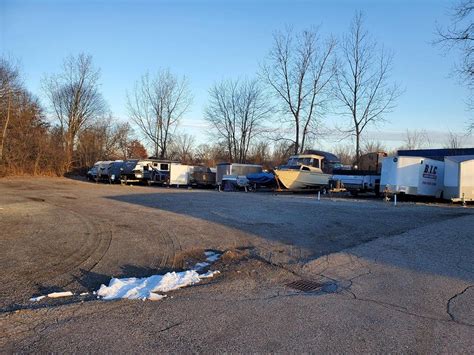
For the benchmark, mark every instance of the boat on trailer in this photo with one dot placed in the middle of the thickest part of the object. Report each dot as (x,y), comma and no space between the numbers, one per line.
(311,170)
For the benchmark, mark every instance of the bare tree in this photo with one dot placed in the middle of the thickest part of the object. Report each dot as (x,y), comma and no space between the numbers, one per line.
(460,36)
(281,152)
(136,150)
(209,155)
(10,88)
(373,146)
(260,153)
(362,81)
(237,111)
(156,106)
(416,139)
(181,148)
(104,140)
(298,70)
(454,141)
(345,153)
(24,134)
(75,99)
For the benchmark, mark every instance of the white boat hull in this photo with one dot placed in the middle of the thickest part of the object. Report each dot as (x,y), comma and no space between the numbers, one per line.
(300,179)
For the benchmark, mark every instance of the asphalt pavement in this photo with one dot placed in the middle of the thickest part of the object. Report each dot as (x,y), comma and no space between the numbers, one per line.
(380,278)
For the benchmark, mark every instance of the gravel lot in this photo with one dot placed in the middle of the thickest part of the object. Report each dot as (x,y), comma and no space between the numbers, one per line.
(395,279)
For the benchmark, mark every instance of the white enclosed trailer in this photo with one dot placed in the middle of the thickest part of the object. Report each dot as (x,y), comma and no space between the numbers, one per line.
(180,174)
(416,176)
(459,178)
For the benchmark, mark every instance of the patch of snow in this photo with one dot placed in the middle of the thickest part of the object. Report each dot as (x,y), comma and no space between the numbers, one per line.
(200,266)
(155,296)
(36,299)
(148,287)
(212,256)
(60,294)
(209,274)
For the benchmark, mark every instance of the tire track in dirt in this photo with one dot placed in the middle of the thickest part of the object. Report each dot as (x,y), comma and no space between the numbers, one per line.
(89,254)
(62,271)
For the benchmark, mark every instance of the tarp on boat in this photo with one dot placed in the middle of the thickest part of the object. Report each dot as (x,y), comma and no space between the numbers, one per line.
(261,178)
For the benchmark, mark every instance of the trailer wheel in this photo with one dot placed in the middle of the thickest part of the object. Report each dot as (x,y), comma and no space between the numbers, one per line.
(377,190)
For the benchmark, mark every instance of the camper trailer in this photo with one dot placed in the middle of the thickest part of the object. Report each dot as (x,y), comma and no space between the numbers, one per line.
(459,178)
(145,170)
(409,175)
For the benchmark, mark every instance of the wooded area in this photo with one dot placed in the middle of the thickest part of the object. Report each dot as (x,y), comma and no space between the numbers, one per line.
(255,120)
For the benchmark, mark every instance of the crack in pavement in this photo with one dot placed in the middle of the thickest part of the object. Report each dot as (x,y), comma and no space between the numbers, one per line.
(398,308)
(405,310)
(170,327)
(448,307)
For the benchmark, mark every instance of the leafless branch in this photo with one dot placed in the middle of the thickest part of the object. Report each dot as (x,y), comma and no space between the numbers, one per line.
(156,106)
(298,71)
(362,85)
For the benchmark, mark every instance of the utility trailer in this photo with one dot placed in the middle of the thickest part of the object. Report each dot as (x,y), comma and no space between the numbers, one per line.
(366,178)
(417,176)
(202,176)
(358,181)
(459,178)
(230,169)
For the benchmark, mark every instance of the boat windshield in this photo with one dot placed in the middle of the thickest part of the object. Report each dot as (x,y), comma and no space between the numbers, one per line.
(303,161)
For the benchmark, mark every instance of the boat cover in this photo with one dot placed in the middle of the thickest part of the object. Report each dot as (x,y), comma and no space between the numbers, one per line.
(261,178)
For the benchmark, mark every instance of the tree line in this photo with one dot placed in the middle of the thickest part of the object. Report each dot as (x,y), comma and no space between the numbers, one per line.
(262,120)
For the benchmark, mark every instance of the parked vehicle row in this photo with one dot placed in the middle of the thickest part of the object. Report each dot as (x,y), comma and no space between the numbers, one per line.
(440,173)
(151,171)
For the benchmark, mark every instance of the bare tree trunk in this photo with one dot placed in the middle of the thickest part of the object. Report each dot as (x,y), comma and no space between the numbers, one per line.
(4,133)
(357,148)
(297,138)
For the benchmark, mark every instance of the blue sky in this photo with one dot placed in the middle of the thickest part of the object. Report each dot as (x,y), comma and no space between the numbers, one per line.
(211,40)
